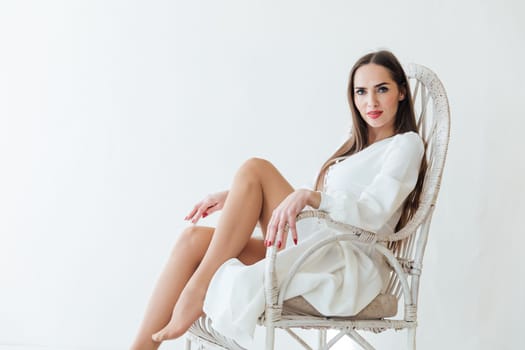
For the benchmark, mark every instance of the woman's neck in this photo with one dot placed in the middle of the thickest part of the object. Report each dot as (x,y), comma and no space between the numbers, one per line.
(378,136)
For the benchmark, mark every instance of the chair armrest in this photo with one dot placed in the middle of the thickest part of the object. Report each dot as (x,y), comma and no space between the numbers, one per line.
(406,231)
(361,235)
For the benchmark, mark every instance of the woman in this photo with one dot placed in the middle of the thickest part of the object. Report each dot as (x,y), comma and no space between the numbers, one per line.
(370,182)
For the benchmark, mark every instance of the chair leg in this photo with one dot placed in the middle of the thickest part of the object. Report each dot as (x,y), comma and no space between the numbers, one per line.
(270,337)
(322,339)
(352,333)
(411,341)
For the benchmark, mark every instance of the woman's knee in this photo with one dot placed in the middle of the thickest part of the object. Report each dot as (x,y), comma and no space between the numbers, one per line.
(193,239)
(255,166)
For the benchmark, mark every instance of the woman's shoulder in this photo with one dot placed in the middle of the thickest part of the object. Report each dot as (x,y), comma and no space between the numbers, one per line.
(408,141)
(409,138)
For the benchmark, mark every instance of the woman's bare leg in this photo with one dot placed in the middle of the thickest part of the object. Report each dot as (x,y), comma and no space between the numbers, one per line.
(185,257)
(256,190)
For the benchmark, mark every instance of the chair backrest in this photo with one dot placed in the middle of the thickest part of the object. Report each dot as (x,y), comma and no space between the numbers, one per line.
(433,117)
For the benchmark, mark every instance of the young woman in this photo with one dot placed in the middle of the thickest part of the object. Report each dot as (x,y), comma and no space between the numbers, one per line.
(371,182)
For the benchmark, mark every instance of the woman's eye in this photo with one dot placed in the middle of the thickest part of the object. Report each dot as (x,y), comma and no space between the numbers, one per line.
(382,89)
(360,91)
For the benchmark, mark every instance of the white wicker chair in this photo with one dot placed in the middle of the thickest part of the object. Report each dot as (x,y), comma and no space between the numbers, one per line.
(403,250)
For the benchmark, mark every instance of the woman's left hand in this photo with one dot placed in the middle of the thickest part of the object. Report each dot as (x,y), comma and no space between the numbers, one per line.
(285,215)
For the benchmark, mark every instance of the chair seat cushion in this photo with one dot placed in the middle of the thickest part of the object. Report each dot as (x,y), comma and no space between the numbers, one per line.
(384,305)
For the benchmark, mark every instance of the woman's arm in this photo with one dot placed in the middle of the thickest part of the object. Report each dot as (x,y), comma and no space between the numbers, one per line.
(211,203)
(376,203)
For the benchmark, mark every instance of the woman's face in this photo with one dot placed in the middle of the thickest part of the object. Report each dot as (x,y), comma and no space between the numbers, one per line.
(376,97)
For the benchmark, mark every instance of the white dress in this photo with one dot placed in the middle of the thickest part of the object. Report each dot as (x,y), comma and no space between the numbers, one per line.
(366,190)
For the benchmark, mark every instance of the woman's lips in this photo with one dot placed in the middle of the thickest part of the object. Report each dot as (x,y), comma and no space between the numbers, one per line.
(374,114)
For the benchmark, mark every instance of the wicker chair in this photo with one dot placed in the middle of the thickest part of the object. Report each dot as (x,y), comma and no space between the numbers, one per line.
(403,250)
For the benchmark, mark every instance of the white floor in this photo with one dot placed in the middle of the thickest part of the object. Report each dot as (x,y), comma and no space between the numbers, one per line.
(284,340)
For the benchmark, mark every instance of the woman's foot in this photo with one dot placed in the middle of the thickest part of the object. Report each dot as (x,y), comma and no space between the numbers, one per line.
(186,311)
(171,331)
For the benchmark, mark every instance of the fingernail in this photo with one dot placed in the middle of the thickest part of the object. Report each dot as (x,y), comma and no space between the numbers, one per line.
(278,244)
(268,243)
(295,241)
(204,215)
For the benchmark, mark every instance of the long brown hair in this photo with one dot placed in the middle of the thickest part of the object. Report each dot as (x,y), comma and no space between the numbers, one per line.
(405,121)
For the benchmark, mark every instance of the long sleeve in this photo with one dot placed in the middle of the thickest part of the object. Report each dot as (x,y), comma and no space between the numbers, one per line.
(378,201)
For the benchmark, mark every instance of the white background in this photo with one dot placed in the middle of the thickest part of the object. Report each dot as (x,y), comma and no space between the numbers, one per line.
(116,116)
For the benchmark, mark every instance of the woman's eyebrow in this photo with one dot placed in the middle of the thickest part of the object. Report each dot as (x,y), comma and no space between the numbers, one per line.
(376,86)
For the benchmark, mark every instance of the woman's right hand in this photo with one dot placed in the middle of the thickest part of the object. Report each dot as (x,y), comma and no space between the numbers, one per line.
(211,203)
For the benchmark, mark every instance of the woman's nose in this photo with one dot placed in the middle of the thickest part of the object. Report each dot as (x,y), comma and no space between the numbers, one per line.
(372,100)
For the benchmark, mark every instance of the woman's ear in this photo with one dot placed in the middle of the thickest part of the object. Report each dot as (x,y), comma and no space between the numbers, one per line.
(401,94)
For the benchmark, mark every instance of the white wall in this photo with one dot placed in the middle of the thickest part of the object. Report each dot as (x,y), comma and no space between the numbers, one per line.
(116,116)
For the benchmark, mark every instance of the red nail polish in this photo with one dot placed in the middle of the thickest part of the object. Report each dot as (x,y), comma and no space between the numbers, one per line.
(204,215)
(278,244)
(268,243)
(295,240)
